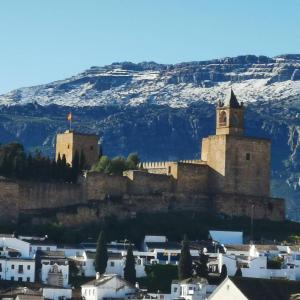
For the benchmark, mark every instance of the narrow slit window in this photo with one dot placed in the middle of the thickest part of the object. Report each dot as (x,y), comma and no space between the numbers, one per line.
(248,156)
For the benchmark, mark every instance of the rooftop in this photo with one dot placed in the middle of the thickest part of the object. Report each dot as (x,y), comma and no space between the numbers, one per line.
(266,289)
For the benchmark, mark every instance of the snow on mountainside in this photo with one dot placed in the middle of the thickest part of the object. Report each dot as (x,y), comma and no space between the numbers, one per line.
(253,78)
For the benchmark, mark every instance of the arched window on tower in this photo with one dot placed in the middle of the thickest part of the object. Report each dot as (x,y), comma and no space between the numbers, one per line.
(222,119)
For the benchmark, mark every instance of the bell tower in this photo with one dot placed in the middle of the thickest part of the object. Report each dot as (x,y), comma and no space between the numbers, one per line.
(230,116)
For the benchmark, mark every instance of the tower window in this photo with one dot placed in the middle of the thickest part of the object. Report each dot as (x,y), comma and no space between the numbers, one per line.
(222,118)
(248,156)
(92,147)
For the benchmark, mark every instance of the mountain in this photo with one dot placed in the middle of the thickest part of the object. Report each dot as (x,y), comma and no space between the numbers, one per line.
(163,111)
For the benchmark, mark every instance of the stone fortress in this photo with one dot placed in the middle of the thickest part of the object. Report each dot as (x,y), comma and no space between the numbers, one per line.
(231,178)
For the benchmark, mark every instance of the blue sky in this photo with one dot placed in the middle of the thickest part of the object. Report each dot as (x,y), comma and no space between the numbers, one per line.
(43,41)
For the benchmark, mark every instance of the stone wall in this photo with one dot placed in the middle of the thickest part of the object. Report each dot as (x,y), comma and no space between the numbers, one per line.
(191,178)
(9,195)
(128,207)
(241,205)
(48,195)
(144,183)
(98,186)
(102,195)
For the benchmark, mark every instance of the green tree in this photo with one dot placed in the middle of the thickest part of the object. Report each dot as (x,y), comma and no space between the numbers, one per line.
(201,266)
(118,165)
(82,161)
(238,272)
(101,254)
(103,165)
(132,161)
(223,274)
(129,270)
(185,267)
(75,167)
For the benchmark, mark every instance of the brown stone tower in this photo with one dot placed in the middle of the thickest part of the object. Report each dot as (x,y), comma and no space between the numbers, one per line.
(238,164)
(69,142)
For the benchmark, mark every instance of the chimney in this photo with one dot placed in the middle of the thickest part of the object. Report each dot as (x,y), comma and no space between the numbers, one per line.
(97,275)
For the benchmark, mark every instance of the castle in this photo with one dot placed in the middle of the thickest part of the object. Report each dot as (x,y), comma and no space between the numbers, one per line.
(231,178)
(230,162)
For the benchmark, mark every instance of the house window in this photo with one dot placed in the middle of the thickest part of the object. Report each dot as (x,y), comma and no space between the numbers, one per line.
(175,290)
(12,278)
(68,146)
(20,279)
(39,248)
(112,263)
(92,147)
(28,279)
(28,267)
(20,269)
(0,267)
(248,156)
(12,267)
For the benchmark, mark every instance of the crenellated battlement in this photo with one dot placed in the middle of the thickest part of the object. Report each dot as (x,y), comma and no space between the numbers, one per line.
(165,164)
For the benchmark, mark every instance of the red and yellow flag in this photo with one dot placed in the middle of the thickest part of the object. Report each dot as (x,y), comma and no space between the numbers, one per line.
(69,117)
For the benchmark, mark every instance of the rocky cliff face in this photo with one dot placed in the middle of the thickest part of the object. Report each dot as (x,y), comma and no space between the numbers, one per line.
(163,111)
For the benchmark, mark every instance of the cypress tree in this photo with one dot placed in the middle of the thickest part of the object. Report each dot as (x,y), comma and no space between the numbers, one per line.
(223,274)
(129,270)
(101,254)
(201,265)
(185,268)
(75,167)
(82,161)
(238,272)
(64,168)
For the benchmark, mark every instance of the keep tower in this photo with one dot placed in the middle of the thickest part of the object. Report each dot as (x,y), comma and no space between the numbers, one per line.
(238,164)
(70,142)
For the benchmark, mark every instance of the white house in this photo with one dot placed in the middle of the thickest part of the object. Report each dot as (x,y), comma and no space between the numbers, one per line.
(55,272)
(8,241)
(153,239)
(115,264)
(42,246)
(107,286)
(17,269)
(71,250)
(55,293)
(189,289)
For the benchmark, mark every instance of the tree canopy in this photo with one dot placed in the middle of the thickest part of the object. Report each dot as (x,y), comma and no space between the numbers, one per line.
(117,165)
(17,164)
(185,268)
(129,270)
(101,254)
